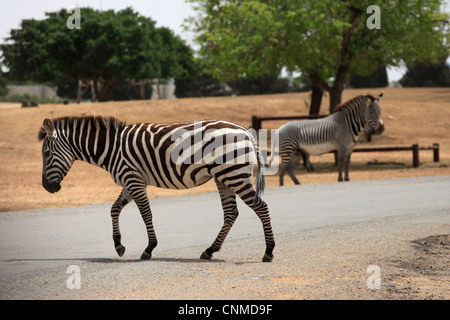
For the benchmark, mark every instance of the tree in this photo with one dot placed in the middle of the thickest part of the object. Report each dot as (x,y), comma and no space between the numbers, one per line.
(3,85)
(423,75)
(326,40)
(110,48)
(377,79)
(200,84)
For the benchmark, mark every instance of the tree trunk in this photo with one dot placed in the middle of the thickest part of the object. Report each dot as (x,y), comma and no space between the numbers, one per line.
(344,65)
(316,98)
(106,90)
(335,97)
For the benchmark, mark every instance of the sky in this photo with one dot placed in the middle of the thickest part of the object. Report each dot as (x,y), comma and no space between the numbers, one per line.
(166,13)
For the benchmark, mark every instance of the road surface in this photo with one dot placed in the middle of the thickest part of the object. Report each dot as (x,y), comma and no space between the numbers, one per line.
(330,239)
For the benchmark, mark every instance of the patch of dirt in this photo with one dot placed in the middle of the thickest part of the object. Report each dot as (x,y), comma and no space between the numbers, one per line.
(423,273)
(433,254)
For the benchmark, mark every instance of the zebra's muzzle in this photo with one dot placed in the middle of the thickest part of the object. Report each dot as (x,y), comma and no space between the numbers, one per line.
(51,186)
(380,129)
(376,131)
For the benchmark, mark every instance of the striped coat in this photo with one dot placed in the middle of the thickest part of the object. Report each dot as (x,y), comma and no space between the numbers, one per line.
(339,131)
(172,156)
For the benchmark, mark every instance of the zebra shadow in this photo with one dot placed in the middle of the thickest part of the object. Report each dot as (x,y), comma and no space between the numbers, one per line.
(119,260)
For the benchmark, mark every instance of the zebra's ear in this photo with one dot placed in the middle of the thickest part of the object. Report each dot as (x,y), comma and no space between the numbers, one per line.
(380,96)
(49,128)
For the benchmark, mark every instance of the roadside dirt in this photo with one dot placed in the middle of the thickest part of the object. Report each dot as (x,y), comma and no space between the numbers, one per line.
(423,273)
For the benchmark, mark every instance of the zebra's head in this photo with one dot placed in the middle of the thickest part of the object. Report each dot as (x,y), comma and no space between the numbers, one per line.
(374,123)
(56,155)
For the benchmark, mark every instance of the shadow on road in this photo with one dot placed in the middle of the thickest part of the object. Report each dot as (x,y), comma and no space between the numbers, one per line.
(109,260)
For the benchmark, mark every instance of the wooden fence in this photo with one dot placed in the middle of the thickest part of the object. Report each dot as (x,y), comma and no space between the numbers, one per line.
(257,121)
(414,148)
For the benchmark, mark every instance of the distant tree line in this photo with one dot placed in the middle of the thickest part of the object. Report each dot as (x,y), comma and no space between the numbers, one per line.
(109,50)
(243,48)
(327,41)
(427,75)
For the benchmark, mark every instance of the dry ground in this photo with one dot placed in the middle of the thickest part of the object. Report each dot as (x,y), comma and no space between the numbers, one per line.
(411,116)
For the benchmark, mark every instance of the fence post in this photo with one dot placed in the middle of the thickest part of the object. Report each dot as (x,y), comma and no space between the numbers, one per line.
(436,152)
(256,123)
(415,150)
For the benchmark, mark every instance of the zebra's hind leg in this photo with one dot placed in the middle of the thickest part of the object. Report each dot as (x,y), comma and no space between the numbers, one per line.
(306,162)
(286,160)
(246,192)
(139,194)
(291,166)
(230,213)
(123,199)
(262,211)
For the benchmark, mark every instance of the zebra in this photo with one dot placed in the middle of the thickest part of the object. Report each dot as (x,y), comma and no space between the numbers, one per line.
(171,156)
(339,131)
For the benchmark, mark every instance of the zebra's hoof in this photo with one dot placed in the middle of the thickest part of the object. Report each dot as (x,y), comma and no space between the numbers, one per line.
(205,256)
(267,258)
(145,256)
(120,250)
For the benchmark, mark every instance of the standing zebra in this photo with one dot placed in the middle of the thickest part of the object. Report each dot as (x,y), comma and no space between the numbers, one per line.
(339,131)
(172,156)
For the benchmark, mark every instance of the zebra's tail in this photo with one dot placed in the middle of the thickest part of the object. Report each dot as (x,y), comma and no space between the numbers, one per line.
(272,152)
(260,180)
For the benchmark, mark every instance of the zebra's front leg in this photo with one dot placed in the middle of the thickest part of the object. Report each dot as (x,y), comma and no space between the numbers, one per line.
(123,199)
(347,165)
(230,213)
(139,195)
(343,160)
(340,156)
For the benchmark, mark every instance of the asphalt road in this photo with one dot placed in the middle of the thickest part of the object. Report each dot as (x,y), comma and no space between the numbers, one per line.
(38,246)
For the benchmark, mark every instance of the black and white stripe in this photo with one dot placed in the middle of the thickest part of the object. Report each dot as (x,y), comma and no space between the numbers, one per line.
(172,156)
(339,131)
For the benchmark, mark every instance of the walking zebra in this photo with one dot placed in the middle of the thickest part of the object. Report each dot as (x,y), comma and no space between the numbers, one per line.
(172,156)
(339,131)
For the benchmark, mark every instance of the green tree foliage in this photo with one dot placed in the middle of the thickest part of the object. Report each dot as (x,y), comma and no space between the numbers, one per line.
(426,75)
(326,40)
(109,48)
(3,87)
(377,79)
(200,85)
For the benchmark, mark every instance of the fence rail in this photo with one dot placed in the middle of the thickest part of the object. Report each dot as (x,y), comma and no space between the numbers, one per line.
(415,148)
(257,121)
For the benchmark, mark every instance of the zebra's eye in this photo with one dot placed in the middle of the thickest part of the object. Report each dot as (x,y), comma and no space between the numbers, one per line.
(47,154)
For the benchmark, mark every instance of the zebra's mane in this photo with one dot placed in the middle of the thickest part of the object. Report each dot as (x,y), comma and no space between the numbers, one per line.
(98,122)
(349,103)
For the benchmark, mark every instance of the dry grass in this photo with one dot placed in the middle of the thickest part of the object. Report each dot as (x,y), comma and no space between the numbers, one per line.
(411,116)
